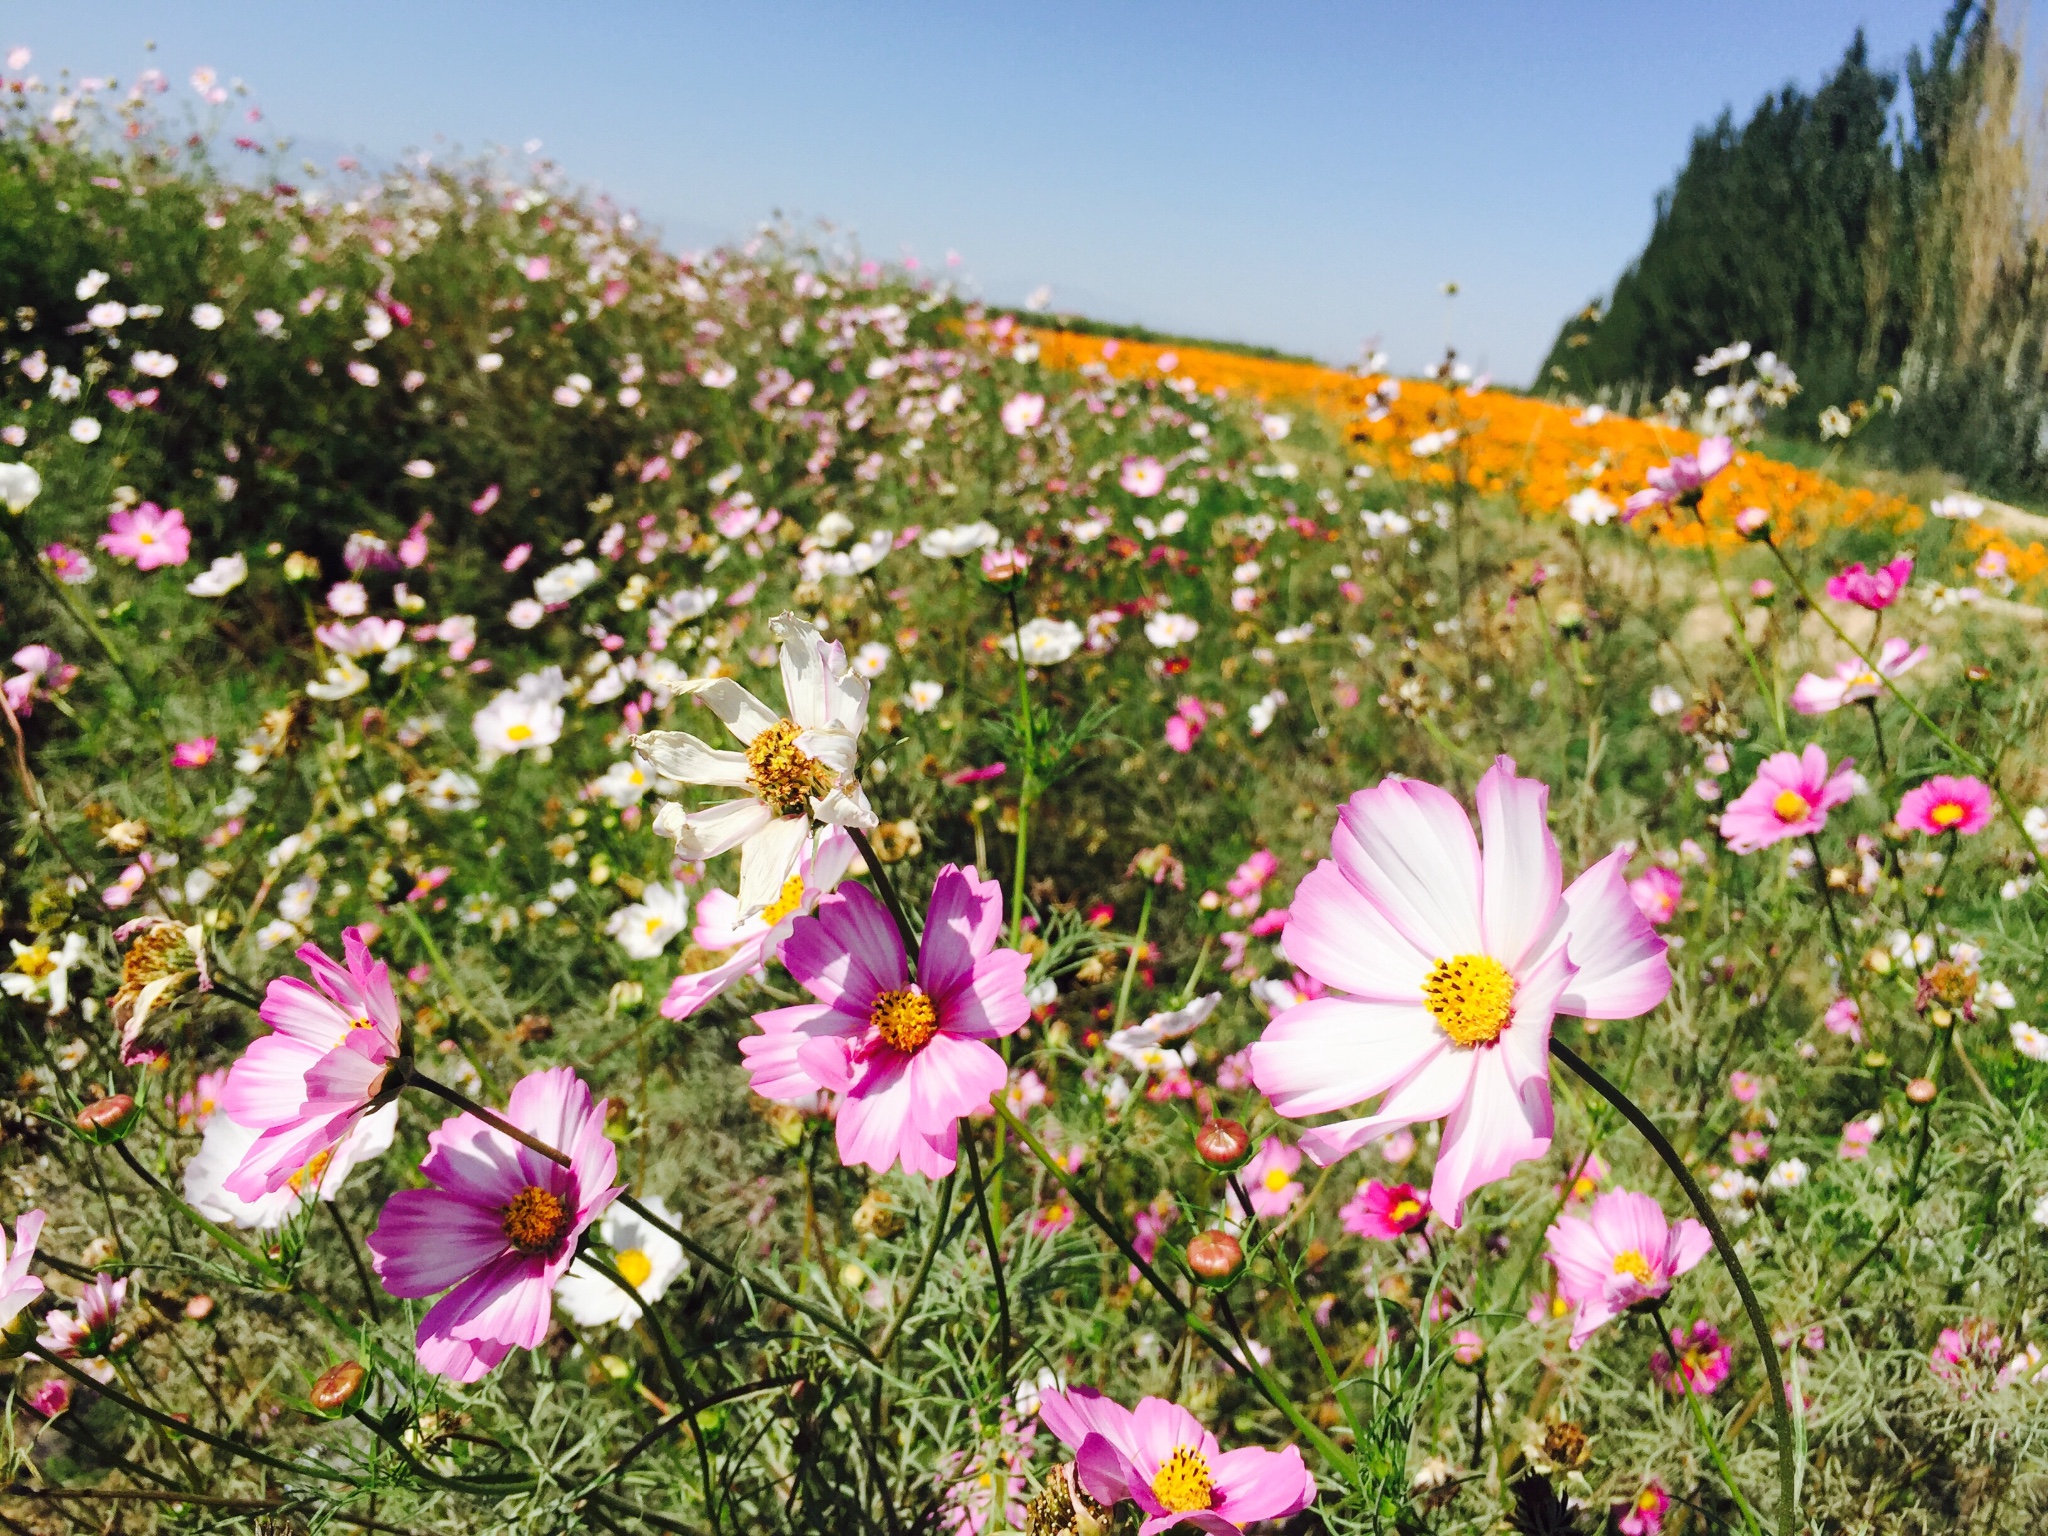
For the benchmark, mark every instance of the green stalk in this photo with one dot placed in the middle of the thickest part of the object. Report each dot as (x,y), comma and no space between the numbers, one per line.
(1699,1414)
(1123,997)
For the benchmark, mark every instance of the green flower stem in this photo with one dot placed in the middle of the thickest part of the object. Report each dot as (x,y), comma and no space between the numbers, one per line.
(1030,782)
(675,1421)
(1123,996)
(355,1257)
(146,702)
(1246,1367)
(1699,1414)
(1788,1471)
(677,1385)
(995,1260)
(886,888)
(1740,635)
(941,1221)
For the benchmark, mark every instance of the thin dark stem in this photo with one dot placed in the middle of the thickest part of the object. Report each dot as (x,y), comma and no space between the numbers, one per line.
(355,1257)
(944,1219)
(995,1260)
(890,899)
(677,1386)
(1787,1457)
(685,1416)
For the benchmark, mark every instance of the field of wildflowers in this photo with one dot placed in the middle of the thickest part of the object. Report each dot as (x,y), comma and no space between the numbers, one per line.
(726,893)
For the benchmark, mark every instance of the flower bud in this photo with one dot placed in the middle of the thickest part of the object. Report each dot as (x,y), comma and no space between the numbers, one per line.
(1223,1144)
(339,1389)
(1215,1258)
(199,1308)
(106,1121)
(1921,1090)
(1753,523)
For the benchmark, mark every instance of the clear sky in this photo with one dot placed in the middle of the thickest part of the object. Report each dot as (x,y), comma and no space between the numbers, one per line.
(1302,175)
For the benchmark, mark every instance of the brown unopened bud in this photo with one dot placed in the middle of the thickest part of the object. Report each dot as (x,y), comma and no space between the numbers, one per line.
(1223,1144)
(107,1120)
(339,1388)
(1216,1258)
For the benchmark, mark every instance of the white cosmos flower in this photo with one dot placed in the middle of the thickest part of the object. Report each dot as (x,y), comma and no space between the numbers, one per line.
(39,970)
(208,317)
(1045,641)
(1789,1174)
(19,485)
(954,542)
(526,613)
(2029,1042)
(645,1257)
(451,790)
(1168,629)
(565,581)
(644,928)
(1666,700)
(85,430)
(227,1143)
(220,578)
(924,696)
(340,680)
(794,768)
(1588,508)
(526,718)
(871,660)
(622,784)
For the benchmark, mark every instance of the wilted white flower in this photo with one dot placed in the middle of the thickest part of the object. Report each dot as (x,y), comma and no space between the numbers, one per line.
(220,578)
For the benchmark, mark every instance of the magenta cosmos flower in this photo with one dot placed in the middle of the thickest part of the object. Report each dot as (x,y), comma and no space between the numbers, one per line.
(908,1058)
(1159,1455)
(1686,475)
(1656,893)
(1384,1211)
(196,753)
(1622,1253)
(500,1227)
(1644,1515)
(1790,797)
(1854,680)
(1269,1180)
(1451,963)
(148,535)
(1872,589)
(1702,1364)
(1946,804)
(307,1084)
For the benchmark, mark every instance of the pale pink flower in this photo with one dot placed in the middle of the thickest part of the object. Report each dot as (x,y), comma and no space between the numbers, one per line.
(1744,1087)
(91,1327)
(1853,680)
(1449,965)
(196,753)
(1468,1346)
(1656,892)
(1872,589)
(306,1085)
(1857,1135)
(1142,477)
(500,1226)
(1159,1455)
(1384,1211)
(1685,476)
(1269,1180)
(1746,1147)
(1946,803)
(17,1286)
(908,1058)
(746,945)
(1790,797)
(1052,1218)
(1844,1018)
(148,535)
(1022,412)
(1622,1253)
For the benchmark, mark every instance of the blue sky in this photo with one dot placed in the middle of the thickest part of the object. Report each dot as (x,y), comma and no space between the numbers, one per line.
(1302,175)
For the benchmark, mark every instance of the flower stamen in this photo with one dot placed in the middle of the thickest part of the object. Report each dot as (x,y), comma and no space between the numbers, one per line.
(1791,806)
(1471,997)
(905,1018)
(1633,1264)
(784,776)
(536,1221)
(1184,1482)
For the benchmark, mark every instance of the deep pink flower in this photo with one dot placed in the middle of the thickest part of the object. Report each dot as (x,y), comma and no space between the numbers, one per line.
(1622,1253)
(1452,963)
(1252,874)
(909,1059)
(1853,680)
(1946,804)
(148,535)
(196,753)
(1269,1180)
(1159,1455)
(1150,1225)
(306,1085)
(1872,589)
(1686,475)
(1790,797)
(1384,1211)
(501,1225)
(1645,1513)
(49,1397)
(747,945)
(1185,725)
(1656,892)
(1857,1135)
(1702,1363)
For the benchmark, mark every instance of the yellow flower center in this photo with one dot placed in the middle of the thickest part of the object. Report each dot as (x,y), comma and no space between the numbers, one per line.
(653,926)
(1403,1210)
(1277,1179)
(783,776)
(145,538)
(519,733)
(1184,1482)
(1646,1500)
(905,1018)
(536,1221)
(1633,1264)
(35,962)
(1791,806)
(309,1176)
(1471,997)
(633,1266)
(1946,814)
(792,896)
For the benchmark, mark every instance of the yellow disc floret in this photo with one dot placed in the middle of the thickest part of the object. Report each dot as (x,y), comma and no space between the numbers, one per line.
(784,776)
(905,1018)
(1791,806)
(633,1266)
(1471,996)
(1633,1264)
(1184,1481)
(792,896)
(536,1221)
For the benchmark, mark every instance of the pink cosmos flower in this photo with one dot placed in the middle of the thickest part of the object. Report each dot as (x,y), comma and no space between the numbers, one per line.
(1185,725)
(1965,1356)
(1022,412)
(501,1225)
(148,535)
(1746,1147)
(49,1397)
(747,945)
(1142,477)
(1702,1363)
(1052,1218)
(307,1084)
(196,753)
(89,1328)
(1857,1135)
(1853,681)
(1686,475)
(1946,804)
(1656,892)
(1623,1253)
(1790,797)
(17,1286)
(1872,589)
(1253,874)
(1468,1346)
(1384,1211)
(1844,1018)
(1449,964)
(1645,1513)
(1150,1225)
(1269,1180)
(908,1058)
(1159,1455)
(1744,1087)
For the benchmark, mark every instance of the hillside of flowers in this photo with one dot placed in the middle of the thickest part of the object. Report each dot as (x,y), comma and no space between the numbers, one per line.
(724,892)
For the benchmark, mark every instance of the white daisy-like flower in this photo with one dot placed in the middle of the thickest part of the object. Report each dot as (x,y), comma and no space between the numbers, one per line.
(644,1256)
(1789,1174)
(795,768)
(340,680)
(451,790)
(2029,1041)
(871,660)
(622,784)
(924,696)
(525,718)
(220,578)
(1045,642)
(644,928)
(1169,629)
